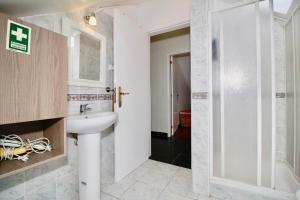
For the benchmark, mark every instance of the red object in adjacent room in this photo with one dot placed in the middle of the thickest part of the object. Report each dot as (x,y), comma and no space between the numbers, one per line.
(185,118)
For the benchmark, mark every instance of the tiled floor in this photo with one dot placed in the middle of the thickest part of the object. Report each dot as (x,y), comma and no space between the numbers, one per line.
(153,181)
(175,150)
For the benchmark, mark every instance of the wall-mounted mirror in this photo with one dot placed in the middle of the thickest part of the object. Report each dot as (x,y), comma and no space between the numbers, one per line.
(87,55)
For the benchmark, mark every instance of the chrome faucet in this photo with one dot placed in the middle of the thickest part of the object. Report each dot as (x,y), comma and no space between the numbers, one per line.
(84,108)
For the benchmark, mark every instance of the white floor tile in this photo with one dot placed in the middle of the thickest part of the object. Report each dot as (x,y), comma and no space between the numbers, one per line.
(141,191)
(140,172)
(150,163)
(181,184)
(159,175)
(153,181)
(107,197)
(206,198)
(118,189)
(168,196)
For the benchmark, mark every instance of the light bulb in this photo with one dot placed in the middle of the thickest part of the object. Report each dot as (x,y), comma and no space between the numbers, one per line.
(93,20)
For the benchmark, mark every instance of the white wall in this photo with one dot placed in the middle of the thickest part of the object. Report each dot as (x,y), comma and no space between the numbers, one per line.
(160,74)
(216,4)
(155,15)
(158,15)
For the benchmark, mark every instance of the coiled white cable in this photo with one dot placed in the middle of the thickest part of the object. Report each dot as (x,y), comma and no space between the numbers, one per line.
(40,145)
(11,142)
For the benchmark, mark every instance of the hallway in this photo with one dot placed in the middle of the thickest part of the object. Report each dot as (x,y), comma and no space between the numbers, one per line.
(175,150)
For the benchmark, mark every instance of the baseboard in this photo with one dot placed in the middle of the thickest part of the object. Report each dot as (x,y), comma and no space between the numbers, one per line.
(159,134)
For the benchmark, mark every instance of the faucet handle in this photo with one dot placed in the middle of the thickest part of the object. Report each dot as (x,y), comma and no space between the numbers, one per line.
(87,106)
(84,107)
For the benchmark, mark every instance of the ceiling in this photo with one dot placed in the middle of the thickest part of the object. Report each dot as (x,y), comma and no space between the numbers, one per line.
(282,6)
(35,7)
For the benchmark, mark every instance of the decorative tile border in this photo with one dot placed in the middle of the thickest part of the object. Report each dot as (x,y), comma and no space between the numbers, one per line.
(103,97)
(200,95)
(204,95)
(89,97)
(280,94)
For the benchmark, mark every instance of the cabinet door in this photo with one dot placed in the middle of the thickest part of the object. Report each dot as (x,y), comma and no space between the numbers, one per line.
(33,87)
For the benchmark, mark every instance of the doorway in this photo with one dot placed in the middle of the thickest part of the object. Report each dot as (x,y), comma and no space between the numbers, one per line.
(171,98)
(180,82)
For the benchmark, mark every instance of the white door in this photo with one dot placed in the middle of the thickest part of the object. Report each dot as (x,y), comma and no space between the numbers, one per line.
(132,73)
(174,100)
(180,86)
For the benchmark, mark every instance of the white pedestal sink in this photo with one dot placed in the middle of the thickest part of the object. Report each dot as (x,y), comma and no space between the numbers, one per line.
(89,127)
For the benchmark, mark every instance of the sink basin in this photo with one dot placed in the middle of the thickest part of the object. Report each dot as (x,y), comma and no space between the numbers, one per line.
(89,127)
(90,123)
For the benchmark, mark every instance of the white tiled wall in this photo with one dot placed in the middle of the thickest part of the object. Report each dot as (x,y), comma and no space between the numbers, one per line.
(200,106)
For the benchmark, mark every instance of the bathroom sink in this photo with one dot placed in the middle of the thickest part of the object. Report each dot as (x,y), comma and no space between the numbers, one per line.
(90,123)
(89,127)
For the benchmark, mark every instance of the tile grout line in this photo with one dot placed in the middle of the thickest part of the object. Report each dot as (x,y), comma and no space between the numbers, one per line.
(168,184)
(179,195)
(23,182)
(110,195)
(24,185)
(131,185)
(135,181)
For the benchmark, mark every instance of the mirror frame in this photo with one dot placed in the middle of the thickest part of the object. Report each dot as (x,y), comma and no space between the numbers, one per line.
(68,29)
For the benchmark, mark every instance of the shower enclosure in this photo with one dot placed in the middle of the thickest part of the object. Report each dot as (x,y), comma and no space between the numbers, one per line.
(292,43)
(243,94)
(242,74)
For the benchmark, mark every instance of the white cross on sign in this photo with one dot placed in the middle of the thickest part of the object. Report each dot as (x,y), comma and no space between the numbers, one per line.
(19,34)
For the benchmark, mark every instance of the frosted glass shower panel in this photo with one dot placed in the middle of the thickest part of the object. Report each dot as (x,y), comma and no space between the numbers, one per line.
(265,18)
(234,70)
(297,82)
(242,93)
(216,92)
(290,92)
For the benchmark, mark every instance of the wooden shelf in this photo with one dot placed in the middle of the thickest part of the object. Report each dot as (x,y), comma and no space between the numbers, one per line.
(53,129)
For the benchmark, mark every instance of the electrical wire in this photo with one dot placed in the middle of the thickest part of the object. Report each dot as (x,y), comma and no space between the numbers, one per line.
(12,142)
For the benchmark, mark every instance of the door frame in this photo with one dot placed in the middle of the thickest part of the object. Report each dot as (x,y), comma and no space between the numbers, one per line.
(171,87)
(171,27)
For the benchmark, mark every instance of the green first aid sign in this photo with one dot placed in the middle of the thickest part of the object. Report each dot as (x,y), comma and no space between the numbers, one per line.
(18,37)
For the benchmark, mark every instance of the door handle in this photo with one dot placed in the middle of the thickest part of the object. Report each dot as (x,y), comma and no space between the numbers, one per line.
(120,96)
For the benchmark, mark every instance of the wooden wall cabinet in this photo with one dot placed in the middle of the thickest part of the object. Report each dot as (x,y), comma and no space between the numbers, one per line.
(33,93)
(33,87)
